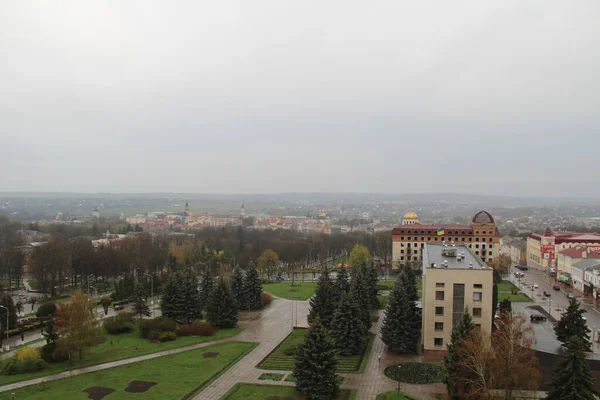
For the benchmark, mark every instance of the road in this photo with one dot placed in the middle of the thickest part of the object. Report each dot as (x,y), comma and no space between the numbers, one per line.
(558,301)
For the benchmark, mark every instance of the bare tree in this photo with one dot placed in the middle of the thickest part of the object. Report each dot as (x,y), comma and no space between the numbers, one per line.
(474,355)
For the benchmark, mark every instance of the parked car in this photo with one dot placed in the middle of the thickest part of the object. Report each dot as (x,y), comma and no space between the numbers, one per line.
(524,268)
(556,287)
(570,295)
(537,318)
(119,307)
(535,286)
(547,294)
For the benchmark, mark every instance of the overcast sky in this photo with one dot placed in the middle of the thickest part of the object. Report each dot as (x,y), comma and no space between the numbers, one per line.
(493,97)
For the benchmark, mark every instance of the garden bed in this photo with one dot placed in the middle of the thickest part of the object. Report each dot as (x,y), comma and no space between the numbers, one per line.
(267,376)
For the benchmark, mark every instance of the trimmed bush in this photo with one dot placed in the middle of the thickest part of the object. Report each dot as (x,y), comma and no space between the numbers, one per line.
(160,324)
(46,310)
(267,298)
(290,351)
(121,323)
(167,336)
(153,335)
(416,373)
(197,329)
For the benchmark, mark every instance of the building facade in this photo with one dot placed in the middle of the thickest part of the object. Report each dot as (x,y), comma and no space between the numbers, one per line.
(454,280)
(409,239)
(543,250)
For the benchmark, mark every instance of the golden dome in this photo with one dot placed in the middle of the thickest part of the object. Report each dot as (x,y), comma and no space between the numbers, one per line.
(411,216)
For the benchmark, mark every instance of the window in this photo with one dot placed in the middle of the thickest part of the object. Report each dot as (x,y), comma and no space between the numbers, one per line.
(491,246)
(440,284)
(477,252)
(438,341)
(483,232)
(477,286)
(477,232)
(439,311)
(478,326)
(401,237)
(401,251)
(435,238)
(439,295)
(477,296)
(463,239)
(439,326)
(470,239)
(422,245)
(401,258)
(415,258)
(416,252)
(422,239)
(476,246)
(477,312)
(489,253)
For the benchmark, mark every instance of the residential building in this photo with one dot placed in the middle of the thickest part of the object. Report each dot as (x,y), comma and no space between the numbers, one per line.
(409,239)
(454,280)
(514,248)
(542,250)
(567,258)
(591,277)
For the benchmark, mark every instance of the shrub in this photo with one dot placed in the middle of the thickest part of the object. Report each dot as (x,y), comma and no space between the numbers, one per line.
(160,324)
(46,310)
(167,336)
(15,366)
(121,323)
(48,352)
(290,351)
(153,335)
(267,298)
(28,353)
(197,329)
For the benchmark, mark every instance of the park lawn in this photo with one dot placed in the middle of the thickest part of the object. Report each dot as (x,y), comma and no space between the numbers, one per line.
(519,297)
(277,360)
(506,286)
(393,395)
(300,290)
(387,285)
(176,376)
(245,391)
(119,347)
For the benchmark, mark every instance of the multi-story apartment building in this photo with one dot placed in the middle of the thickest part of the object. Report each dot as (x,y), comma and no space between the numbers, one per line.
(454,280)
(543,250)
(409,239)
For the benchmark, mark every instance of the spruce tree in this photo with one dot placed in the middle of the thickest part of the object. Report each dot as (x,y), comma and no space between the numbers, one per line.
(505,306)
(168,298)
(347,331)
(322,304)
(206,287)
(253,289)
(461,330)
(222,311)
(572,378)
(315,364)
(572,324)
(140,308)
(372,282)
(237,288)
(361,299)
(192,310)
(342,282)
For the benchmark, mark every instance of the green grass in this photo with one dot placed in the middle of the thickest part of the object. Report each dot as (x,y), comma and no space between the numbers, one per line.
(279,361)
(506,286)
(396,396)
(387,285)
(123,346)
(246,391)
(177,376)
(301,290)
(270,377)
(519,297)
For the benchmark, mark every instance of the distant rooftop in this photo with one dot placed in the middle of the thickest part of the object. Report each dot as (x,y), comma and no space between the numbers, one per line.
(451,256)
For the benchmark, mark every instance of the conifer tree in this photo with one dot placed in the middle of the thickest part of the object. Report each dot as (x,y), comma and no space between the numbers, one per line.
(342,282)
(452,361)
(192,301)
(572,378)
(372,281)
(237,288)
(206,287)
(253,289)
(322,304)
(315,365)
(572,324)
(168,298)
(347,331)
(222,311)
(358,293)
(140,308)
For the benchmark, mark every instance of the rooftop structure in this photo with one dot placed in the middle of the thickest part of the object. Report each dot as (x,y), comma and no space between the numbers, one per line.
(451,256)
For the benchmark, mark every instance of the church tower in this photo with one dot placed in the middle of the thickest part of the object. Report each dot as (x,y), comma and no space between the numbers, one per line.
(187,208)
(243,212)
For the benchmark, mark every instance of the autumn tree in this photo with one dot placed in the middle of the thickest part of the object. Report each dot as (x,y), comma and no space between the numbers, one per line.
(268,263)
(50,265)
(77,326)
(359,257)
(473,358)
(501,263)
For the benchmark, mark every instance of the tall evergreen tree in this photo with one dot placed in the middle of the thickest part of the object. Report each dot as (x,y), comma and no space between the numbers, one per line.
(253,289)
(572,324)
(401,329)
(452,362)
(140,307)
(315,365)
(206,287)
(192,301)
(370,272)
(168,299)
(358,293)
(7,301)
(222,311)
(342,282)
(572,378)
(347,331)
(497,281)
(237,288)
(505,306)
(322,304)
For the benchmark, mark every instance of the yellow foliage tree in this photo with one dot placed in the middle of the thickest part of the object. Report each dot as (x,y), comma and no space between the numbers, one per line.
(77,326)
(268,263)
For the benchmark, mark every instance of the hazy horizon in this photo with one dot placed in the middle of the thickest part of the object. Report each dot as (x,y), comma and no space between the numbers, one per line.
(491,98)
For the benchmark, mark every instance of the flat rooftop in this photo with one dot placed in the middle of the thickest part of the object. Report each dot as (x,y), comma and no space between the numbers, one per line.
(451,256)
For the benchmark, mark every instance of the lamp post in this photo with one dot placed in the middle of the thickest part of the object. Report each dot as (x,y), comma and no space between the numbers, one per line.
(88,279)
(7,314)
(151,292)
(398,387)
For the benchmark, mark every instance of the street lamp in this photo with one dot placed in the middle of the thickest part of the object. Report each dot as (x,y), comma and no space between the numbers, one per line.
(88,279)
(7,314)
(398,388)
(151,292)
